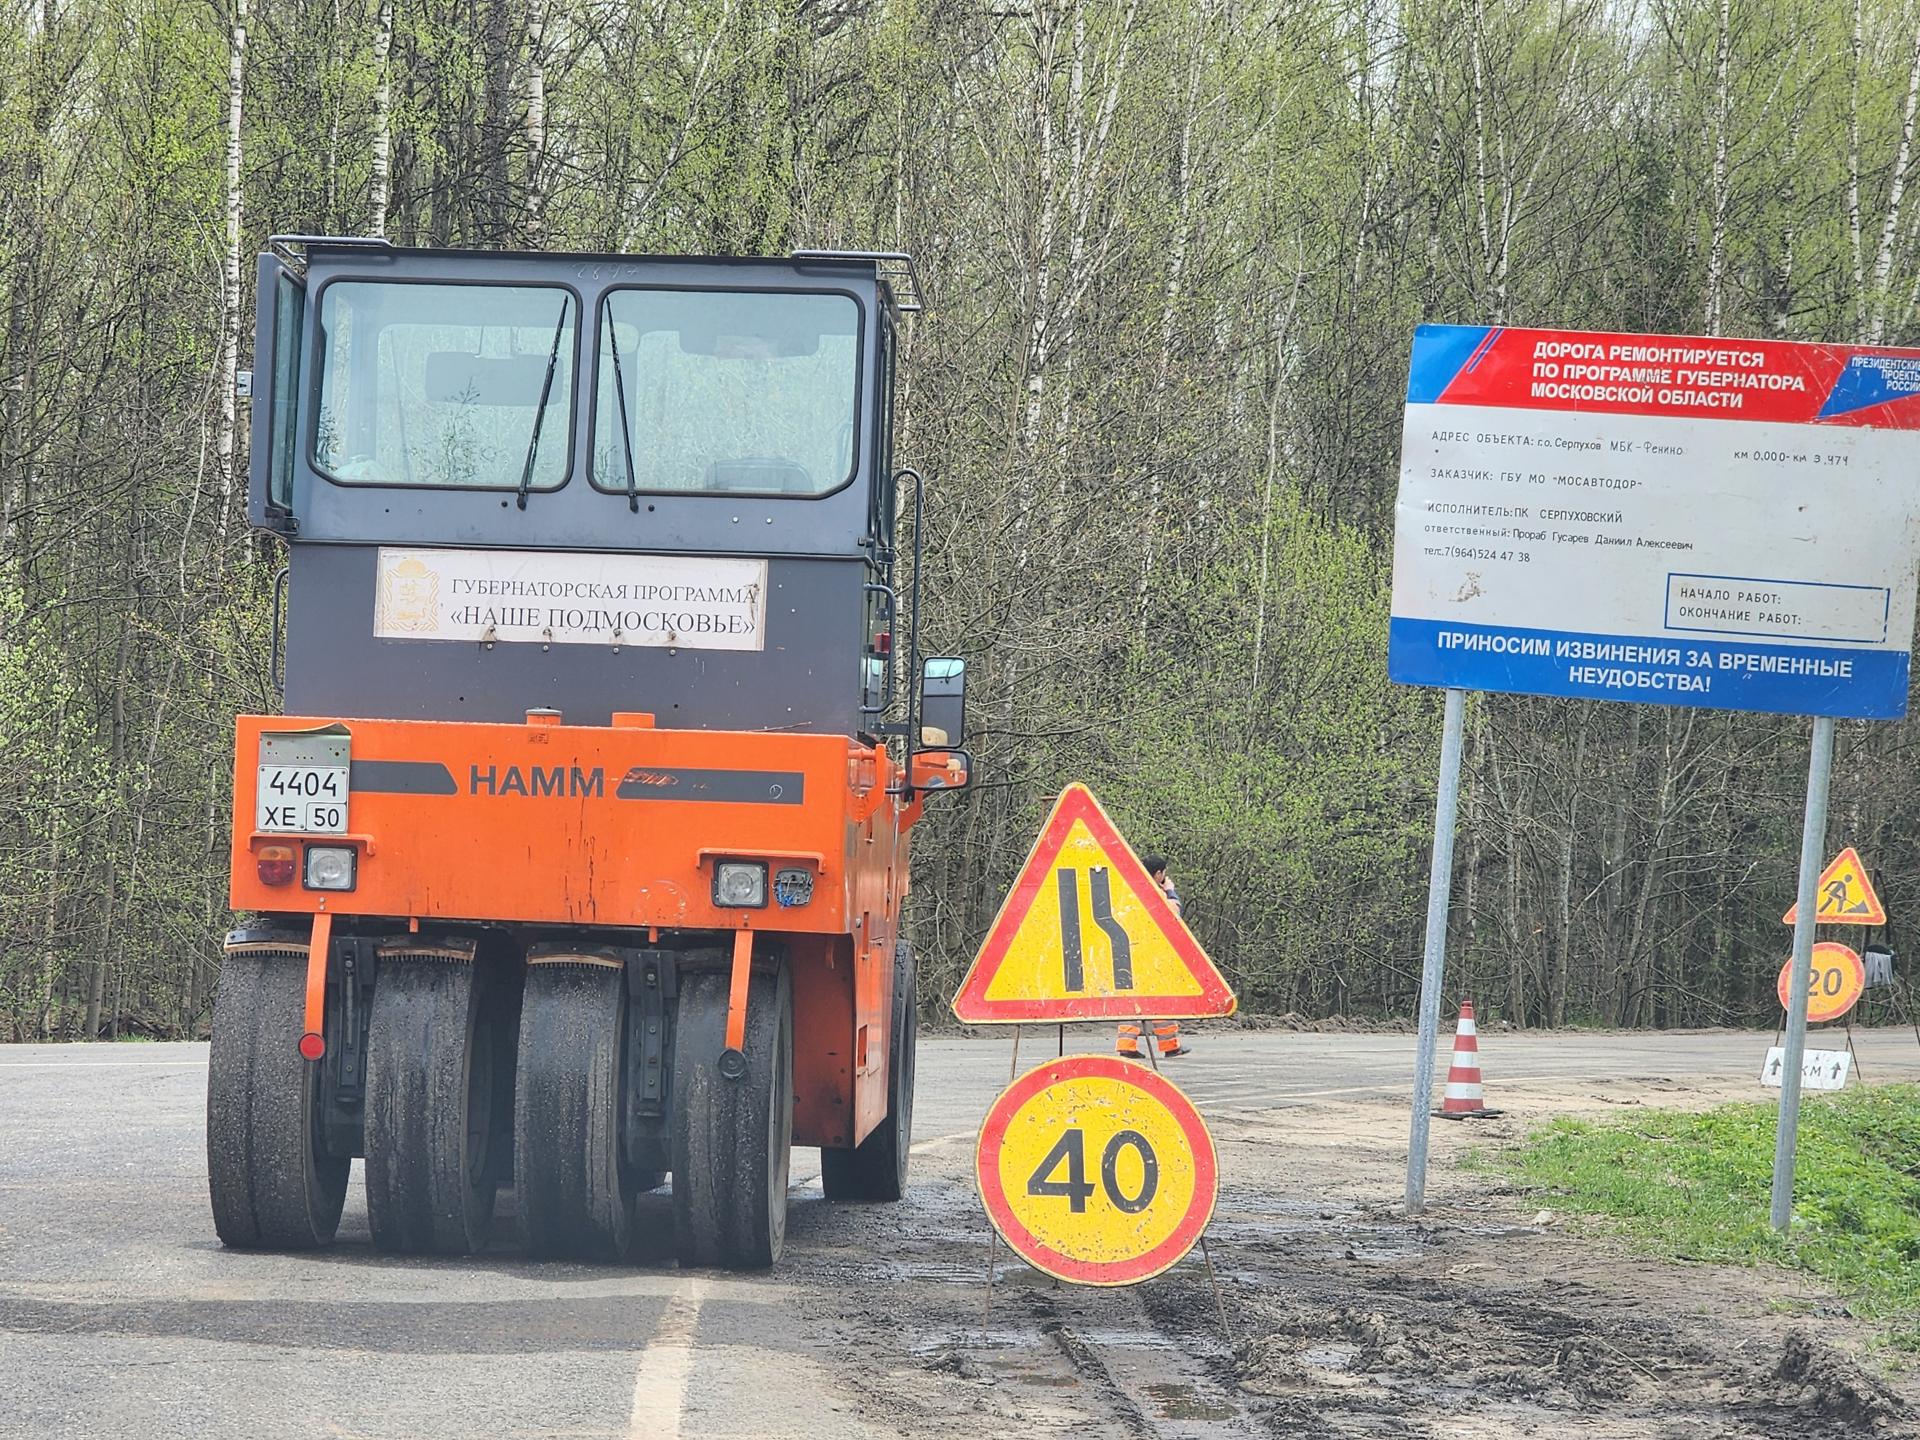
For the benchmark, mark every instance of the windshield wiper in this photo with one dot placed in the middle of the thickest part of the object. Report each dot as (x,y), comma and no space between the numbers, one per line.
(620,389)
(540,415)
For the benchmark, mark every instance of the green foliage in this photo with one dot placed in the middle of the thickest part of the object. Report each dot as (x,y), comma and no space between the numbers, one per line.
(1278,783)
(43,733)
(1175,253)
(1698,1186)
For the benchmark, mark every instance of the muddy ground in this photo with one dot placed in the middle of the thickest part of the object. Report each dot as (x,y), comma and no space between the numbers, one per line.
(1337,1317)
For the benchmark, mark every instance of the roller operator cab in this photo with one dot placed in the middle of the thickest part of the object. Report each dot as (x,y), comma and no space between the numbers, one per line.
(578,856)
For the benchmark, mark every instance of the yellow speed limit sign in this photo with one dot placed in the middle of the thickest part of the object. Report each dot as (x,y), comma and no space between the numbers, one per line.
(1839,975)
(1096,1171)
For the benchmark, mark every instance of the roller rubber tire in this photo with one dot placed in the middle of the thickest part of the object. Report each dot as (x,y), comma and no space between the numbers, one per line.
(272,1185)
(876,1168)
(731,1140)
(430,1108)
(575,1197)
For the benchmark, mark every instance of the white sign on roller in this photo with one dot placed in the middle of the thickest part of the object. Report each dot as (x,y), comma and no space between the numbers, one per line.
(557,597)
(1819,1069)
(1686,521)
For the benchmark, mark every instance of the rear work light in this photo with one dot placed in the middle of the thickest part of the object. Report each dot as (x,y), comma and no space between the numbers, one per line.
(330,867)
(275,864)
(740,885)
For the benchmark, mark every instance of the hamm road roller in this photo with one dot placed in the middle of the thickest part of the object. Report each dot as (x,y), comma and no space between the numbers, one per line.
(576,861)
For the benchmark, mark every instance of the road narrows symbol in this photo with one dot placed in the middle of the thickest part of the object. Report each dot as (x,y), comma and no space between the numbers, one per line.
(1072,957)
(1126,955)
(1102,896)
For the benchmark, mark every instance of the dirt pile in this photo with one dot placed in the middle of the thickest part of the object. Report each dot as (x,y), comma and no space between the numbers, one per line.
(1522,1361)
(1452,1345)
(1811,1380)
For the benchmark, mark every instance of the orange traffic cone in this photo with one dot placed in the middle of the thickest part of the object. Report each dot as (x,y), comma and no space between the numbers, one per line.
(1464,1100)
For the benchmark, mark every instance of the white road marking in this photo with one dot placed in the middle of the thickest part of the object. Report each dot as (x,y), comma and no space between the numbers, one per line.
(196,1064)
(660,1386)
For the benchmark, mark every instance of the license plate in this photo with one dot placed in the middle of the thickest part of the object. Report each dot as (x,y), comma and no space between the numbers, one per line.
(302,799)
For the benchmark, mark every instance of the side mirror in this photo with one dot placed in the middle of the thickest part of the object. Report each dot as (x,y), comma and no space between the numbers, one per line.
(943,702)
(942,770)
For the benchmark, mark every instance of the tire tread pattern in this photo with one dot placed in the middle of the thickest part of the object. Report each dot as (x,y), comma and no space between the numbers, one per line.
(731,1139)
(269,1184)
(574,1197)
(422,1040)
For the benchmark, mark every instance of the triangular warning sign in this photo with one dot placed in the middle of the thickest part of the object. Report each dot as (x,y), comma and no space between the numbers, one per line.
(1085,934)
(1847,897)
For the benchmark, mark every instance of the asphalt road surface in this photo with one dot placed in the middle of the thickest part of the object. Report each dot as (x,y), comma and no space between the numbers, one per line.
(121,1315)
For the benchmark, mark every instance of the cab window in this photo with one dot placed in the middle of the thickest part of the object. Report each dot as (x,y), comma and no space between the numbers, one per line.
(726,392)
(445,385)
(289,309)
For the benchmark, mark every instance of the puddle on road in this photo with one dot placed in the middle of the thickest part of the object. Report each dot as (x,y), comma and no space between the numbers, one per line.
(943,1272)
(1028,1376)
(998,1337)
(1130,1338)
(1184,1402)
(1331,1357)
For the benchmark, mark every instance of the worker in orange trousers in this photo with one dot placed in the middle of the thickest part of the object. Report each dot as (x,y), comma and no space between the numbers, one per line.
(1166,1033)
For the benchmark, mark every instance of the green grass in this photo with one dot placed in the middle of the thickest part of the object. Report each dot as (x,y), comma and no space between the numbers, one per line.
(1696,1186)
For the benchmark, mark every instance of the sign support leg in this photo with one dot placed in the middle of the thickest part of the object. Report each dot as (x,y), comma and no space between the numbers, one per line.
(986,1313)
(1219,1303)
(1853,1052)
(1013,1070)
(1813,837)
(1439,894)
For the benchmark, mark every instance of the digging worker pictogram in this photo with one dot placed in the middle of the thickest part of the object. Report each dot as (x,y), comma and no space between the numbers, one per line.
(1166,1033)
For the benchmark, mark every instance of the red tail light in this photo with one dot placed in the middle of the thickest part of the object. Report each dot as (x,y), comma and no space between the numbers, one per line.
(275,863)
(883,643)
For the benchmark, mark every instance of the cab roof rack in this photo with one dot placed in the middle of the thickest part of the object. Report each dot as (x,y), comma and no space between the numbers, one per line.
(293,248)
(893,266)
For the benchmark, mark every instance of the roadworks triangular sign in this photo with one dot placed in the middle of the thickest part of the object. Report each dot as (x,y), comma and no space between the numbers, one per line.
(1847,897)
(1085,934)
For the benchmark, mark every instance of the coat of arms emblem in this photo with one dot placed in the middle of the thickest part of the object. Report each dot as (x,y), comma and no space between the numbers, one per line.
(409,598)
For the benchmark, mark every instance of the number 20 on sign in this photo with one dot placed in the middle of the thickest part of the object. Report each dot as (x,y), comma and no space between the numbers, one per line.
(1839,976)
(1095,1171)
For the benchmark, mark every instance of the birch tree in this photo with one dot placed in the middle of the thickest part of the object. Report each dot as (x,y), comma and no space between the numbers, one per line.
(1175,253)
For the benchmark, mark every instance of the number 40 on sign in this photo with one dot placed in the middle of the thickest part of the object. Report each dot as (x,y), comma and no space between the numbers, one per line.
(1095,1171)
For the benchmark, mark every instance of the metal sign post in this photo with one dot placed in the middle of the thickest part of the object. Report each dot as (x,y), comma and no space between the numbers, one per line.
(1439,894)
(1813,844)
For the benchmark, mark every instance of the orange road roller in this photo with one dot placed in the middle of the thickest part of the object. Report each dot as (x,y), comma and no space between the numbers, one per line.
(576,863)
